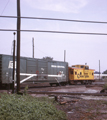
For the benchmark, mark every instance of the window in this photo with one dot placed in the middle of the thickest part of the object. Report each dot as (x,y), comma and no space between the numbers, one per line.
(75,73)
(86,68)
(80,73)
(82,66)
(71,72)
(92,73)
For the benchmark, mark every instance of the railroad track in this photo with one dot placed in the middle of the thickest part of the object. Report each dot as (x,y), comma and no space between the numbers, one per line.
(48,86)
(67,93)
(95,85)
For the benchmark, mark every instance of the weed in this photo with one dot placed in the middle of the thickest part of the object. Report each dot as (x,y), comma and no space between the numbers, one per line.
(25,90)
(104,102)
(89,109)
(105,86)
(17,107)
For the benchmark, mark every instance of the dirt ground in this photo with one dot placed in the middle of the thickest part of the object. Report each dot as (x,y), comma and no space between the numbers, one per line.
(79,107)
(85,109)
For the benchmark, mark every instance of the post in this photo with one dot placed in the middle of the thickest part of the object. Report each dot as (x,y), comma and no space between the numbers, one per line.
(99,70)
(13,63)
(18,46)
(33,46)
(64,55)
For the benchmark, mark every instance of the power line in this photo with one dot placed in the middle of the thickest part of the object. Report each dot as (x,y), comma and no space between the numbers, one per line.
(55,19)
(44,31)
(5,7)
(42,51)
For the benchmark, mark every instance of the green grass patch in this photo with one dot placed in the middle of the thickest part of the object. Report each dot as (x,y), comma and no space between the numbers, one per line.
(16,107)
(105,86)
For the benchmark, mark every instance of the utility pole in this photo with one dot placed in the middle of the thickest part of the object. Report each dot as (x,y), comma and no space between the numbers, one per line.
(13,63)
(33,46)
(18,46)
(99,69)
(64,55)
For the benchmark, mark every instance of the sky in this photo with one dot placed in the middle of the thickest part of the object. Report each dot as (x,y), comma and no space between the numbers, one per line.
(80,49)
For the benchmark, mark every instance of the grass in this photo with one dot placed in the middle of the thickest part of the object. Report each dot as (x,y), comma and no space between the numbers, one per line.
(16,107)
(105,86)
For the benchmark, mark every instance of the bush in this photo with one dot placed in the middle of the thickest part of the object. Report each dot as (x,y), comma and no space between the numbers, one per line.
(105,86)
(16,107)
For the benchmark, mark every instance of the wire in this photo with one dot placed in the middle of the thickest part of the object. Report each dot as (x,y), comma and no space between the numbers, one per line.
(42,51)
(5,7)
(26,54)
(54,32)
(68,20)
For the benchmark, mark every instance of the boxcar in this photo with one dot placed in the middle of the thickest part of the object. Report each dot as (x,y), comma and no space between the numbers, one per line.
(34,70)
(81,73)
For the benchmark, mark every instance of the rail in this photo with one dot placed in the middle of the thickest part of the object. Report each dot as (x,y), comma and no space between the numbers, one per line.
(67,93)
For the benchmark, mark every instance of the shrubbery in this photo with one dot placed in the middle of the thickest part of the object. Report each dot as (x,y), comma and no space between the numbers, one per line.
(105,86)
(16,107)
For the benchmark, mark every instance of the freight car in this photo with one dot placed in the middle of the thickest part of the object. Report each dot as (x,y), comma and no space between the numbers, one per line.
(44,70)
(34,70)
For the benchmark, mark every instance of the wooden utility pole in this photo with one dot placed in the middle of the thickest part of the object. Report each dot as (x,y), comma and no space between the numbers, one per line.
(13,63)
(99,69)
(64,55)
(18,46)
(33,46)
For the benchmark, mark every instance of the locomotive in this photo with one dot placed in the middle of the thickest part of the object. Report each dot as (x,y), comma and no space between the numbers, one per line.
(44,70)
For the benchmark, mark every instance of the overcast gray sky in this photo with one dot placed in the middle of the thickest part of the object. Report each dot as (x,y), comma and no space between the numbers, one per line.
(80,49)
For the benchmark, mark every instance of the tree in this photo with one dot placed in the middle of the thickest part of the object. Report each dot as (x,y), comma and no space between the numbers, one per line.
(48,58)
(105,72)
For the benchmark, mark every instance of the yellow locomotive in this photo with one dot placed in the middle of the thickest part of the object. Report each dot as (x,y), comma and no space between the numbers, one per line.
(80,73)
